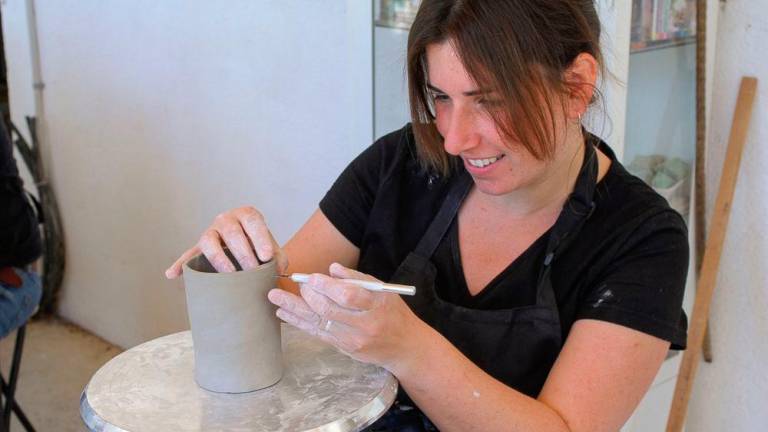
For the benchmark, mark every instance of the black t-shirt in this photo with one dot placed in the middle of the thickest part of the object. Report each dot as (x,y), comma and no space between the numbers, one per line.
(628,265)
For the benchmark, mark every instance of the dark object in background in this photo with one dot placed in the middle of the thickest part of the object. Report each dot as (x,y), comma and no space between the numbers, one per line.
(48,209)
(19,231)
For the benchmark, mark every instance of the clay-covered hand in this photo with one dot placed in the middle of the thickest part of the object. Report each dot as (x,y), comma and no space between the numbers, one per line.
(374,327)
(242,230)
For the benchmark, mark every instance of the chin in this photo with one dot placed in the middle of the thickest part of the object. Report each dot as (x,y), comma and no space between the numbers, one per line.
(494,188)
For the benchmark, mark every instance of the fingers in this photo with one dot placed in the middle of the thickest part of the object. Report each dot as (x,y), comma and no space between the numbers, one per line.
(174,270)
(342,293)
(335,332)
(294,305)
(241,230)
(295,311)
(210,245)
(264,243)
(254,225)
(339,271)
(297,321)
(332,332)
(231,232)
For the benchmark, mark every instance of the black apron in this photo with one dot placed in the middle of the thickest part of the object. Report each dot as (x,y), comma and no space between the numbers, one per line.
(516,346)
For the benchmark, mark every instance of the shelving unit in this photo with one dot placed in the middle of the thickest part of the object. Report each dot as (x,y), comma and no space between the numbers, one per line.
(397,14)
(636,48)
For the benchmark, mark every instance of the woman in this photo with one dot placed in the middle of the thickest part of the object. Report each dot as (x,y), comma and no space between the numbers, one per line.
(549,280)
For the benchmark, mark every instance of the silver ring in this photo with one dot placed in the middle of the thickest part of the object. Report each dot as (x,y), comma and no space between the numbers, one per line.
(327,327)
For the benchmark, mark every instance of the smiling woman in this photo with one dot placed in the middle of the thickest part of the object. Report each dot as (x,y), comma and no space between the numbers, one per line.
(549,281)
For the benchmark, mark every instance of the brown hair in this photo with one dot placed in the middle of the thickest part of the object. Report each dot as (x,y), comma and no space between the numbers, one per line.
(518,48)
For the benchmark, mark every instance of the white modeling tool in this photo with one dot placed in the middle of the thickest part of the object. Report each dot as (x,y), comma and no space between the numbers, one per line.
(369,285)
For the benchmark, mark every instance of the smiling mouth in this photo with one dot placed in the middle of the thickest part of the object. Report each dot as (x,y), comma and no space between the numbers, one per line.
(482,163)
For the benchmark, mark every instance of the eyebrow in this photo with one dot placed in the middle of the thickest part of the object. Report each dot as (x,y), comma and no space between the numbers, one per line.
(469,93)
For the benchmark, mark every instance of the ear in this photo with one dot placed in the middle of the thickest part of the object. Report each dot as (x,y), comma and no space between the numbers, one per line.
(581,79)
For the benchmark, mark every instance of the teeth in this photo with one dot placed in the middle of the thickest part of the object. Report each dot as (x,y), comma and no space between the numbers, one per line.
(480,163)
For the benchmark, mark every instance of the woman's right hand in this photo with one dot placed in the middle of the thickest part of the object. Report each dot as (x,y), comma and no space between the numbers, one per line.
(243,231)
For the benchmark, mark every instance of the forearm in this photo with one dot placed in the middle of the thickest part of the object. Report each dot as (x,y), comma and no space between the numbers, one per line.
(458,396)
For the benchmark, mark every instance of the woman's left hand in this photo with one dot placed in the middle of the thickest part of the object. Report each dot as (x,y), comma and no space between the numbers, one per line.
(374,327)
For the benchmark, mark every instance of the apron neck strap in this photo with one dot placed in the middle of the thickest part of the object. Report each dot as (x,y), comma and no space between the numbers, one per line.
(448,211)
(580,203)
(577,209)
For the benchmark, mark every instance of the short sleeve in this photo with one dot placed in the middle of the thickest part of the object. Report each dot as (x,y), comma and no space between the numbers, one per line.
(643,287)
(349,201)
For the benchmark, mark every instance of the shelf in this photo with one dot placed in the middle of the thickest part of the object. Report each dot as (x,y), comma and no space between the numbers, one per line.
(400,25)
(640,47)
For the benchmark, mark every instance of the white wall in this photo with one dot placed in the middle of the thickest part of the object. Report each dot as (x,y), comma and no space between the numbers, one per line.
(609,121)
(732,392)
(159,115)
(17,54)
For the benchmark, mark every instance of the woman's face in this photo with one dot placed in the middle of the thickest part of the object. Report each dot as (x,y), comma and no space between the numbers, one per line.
(497,164)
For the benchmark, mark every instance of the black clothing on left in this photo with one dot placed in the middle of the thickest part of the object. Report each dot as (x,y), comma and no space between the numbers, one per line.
(20,242)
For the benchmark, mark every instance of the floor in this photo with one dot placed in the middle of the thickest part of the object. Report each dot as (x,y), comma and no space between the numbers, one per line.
(58,360)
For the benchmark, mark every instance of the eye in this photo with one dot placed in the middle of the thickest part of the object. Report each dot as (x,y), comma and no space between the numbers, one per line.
(490,103)
(439,97)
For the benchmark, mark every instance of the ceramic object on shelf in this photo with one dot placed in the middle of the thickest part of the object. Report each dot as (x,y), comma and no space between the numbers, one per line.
(670,177)
(235,333)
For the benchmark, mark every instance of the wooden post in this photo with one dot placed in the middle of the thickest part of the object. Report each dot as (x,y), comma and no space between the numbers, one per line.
(701,152)
(712,254)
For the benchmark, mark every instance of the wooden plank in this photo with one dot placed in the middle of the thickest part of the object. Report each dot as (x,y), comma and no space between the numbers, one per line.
(712,254)
(701,153)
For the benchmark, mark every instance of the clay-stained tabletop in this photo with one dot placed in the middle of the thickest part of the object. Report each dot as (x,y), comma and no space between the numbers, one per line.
(151,387)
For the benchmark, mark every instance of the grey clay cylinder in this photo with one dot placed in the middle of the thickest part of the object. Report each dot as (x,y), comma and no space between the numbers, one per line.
(235,333)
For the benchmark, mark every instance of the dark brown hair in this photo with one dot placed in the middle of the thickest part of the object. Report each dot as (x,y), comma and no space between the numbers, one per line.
(518,48)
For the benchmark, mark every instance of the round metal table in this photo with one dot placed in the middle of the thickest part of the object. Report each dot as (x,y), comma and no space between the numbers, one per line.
(151,387)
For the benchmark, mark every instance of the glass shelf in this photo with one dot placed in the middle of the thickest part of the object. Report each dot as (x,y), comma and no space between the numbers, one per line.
(640,47)
(397,14)
(660,133)
(392,24)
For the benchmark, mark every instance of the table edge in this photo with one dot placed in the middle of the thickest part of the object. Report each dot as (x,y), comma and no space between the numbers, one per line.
(386,397)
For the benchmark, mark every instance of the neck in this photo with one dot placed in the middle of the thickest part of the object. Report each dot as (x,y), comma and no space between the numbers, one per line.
(547,193)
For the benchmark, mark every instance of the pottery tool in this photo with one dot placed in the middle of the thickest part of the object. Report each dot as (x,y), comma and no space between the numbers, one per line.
(712,253)
(369,285)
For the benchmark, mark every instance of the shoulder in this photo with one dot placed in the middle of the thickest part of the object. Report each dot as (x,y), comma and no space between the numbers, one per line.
(630,207)
(377,187)
(632,263)
(389,156)
(632,226)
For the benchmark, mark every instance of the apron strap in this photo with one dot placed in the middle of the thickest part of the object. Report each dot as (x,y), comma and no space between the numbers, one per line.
(448,210)
(577,209)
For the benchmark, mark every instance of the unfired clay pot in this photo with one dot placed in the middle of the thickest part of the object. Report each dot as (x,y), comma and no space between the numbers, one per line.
(235,332)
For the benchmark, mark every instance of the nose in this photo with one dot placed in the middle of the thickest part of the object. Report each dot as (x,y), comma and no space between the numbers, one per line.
(458,130)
